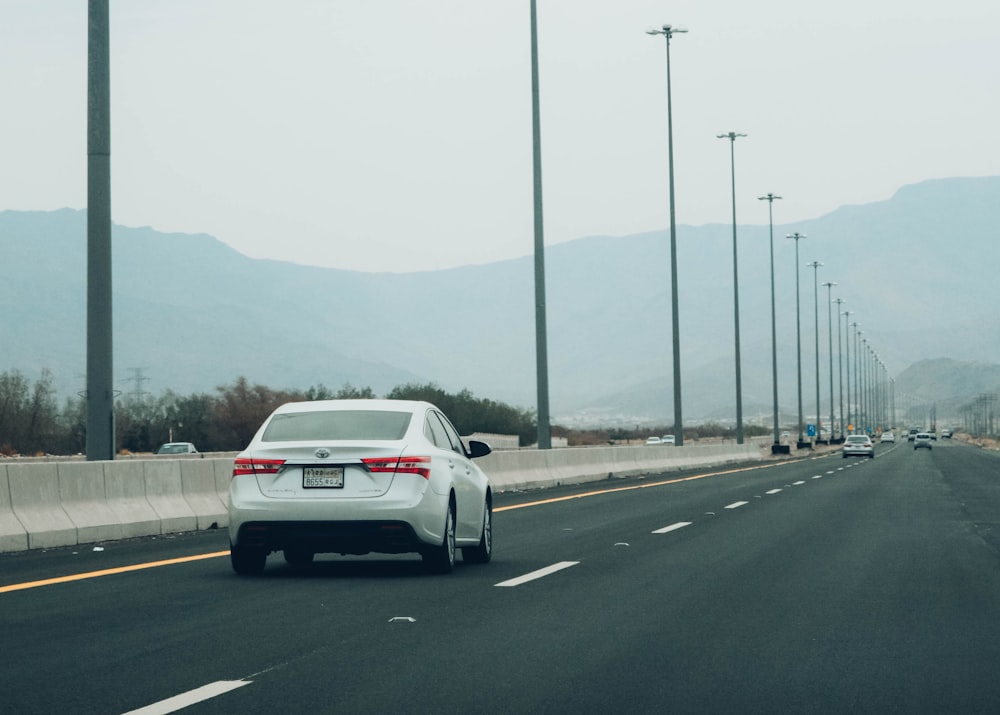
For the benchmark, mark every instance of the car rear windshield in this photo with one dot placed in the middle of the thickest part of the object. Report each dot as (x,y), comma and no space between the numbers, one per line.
(337,425)
(852,438)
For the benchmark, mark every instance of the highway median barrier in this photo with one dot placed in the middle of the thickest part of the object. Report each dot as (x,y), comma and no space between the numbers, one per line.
(48,504)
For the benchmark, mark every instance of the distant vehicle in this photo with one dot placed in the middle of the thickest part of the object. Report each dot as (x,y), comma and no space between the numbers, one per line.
(858,445)
(785,435)
(887,437)
(177,448)
(946,433)
(359,476)
(922,439)
(654,440)
(668,439)
(911,435)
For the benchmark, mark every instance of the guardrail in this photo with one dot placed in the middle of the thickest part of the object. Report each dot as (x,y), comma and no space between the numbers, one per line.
(49,504)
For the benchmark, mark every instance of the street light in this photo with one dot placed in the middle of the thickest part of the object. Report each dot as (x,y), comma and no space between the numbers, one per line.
(667,31)
(815,265)
(840,368)
(798,330)
(829,323)
(541,341)
(847,368)
(731,136)
(776,447)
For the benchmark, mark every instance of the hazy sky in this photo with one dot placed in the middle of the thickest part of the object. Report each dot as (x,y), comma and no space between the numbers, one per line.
(395,135)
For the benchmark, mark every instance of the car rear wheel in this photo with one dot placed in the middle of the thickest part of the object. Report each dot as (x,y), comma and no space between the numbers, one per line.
(247,561)
(482,553)
(441,559)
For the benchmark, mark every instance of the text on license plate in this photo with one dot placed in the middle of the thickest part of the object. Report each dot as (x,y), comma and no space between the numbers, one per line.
(322,477)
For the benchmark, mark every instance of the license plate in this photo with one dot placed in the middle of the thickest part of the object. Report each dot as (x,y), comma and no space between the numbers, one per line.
(323,477)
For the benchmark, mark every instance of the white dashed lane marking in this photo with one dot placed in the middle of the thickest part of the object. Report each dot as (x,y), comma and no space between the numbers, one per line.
(540,573)
(673,527)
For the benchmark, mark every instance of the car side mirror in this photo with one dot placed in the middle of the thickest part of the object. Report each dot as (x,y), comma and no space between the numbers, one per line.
(478,449)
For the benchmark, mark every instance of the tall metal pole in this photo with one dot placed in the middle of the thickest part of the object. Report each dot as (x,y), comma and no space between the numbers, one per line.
(840,369)
(100,372)
(667,31)
(541,341)
(815,265)
(798,331)
(847,345)
(829,323)
(731,136)
(774,324)
(858,417)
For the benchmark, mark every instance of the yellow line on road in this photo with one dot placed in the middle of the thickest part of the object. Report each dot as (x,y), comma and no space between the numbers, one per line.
(599,492)
(110,572)
(217,554)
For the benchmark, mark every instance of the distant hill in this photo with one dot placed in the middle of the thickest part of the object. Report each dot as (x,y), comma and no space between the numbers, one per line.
(918,272)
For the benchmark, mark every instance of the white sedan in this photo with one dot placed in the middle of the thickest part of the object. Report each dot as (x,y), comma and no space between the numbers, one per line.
(359,476)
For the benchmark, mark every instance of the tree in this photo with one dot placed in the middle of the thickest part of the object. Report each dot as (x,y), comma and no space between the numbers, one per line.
(241,408)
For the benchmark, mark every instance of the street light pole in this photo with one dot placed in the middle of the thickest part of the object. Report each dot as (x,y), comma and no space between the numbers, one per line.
(100,439)
(847,368)
(815,265)
(776,447)
(840,368)
(857,376)
(731,136)
(829,323)
(798,330)
(668,31)
(541,332)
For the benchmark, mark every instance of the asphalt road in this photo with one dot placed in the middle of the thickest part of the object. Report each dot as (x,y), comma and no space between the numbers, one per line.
(823,586)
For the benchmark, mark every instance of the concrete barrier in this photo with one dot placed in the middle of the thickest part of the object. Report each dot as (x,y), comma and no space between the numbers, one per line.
(35,500)
(47,504)
(199,489)
(126,493)
(85,501)
(165,493)
(13,537)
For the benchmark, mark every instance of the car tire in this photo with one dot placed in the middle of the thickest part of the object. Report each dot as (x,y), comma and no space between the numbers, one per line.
(482,552)
(441,559)
(247,561)
(298,557)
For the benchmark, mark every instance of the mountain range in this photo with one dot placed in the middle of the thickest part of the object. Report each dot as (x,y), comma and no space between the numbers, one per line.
(191,313)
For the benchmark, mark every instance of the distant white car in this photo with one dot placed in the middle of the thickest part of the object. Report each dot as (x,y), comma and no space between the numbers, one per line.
(177,448)
(654,440)
(922,439)
(668,439)
(858,445)
(887,437)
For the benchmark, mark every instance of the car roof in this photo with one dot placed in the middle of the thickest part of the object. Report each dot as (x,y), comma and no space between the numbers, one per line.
(355,404)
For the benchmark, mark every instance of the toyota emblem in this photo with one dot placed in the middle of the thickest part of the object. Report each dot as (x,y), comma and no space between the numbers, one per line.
(322,453)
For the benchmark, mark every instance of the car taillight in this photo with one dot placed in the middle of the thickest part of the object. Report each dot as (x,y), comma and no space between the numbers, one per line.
(407,465)
(248,465)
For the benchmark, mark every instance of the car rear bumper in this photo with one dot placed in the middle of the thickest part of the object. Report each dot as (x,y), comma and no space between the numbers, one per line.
(401,521)
(342,537)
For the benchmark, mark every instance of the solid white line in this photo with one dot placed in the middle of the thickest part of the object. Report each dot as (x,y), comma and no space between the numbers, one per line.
(178,702)
(673,527)
(774,491)
(540,573)
(737,504)
(798,483)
